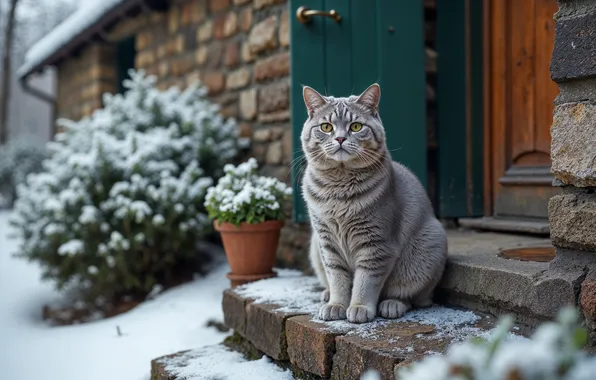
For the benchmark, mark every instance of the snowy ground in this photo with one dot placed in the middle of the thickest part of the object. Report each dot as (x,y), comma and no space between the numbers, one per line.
(30,350)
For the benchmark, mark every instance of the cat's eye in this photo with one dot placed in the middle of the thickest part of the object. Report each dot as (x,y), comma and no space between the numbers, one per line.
(355,127)
(326,127)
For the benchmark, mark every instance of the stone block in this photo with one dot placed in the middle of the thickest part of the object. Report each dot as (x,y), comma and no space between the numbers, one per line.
(219,5)
(263,35)
(225,26)
(574,52)
(274,97)
(232,54)
(205,31)
(262,135)
(238,79)
(357,353)
(311,345)
(143,40)
(273,67)
(181,66)
(273,117)
(588,299)
(247,55)
(234,310)
(572,218)
(245,19)
(284,29)
(248,104)
(573,146)
(274,153)
(214,55)
(201,55)
(266,329)
(215,82)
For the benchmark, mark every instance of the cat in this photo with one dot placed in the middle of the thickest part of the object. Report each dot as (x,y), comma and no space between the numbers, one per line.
(376,247)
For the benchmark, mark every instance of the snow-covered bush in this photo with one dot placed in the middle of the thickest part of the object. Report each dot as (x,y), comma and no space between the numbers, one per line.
(553,353)
(119,205)
(243,196)
(19,157)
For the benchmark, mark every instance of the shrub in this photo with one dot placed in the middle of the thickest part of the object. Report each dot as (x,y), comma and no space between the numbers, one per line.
(19,157)
(119,205)
(243,196)
(553,353)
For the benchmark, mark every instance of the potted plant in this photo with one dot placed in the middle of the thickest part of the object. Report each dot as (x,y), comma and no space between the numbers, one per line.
(248,213)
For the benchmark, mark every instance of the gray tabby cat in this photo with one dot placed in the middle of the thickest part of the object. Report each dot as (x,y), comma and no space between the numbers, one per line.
(376,246)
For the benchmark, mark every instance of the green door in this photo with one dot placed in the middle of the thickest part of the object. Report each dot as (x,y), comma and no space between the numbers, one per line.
(375,41)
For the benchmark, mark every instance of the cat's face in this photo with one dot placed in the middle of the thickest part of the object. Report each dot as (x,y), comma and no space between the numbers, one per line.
(343,130)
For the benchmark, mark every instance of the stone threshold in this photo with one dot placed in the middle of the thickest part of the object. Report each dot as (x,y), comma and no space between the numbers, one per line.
(277,318)
(477,278)
(510,225)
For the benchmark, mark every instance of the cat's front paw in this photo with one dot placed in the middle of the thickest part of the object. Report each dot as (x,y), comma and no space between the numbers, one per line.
(360,314)
(392,309)
(325,296)
(332,312)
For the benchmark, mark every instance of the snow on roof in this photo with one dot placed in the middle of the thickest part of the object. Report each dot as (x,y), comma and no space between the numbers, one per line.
(83,18)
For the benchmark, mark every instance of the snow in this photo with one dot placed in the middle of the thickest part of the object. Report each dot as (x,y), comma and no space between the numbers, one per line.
(74,25)
(31,350)
(293,292)
(218,362)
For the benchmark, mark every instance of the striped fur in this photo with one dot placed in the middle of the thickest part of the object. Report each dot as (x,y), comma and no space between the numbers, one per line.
(376,245)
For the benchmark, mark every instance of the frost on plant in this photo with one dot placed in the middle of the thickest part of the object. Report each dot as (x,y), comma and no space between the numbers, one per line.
(18,158)
(243,196)
(553,353)
(119,203)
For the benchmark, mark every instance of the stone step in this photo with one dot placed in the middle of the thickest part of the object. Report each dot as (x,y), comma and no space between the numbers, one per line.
(278,318)
(217,362)
(477,278)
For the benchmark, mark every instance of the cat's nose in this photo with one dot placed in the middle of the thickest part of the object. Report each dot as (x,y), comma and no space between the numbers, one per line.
(340,140)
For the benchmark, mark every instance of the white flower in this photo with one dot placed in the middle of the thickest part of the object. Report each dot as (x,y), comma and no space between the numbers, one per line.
(72,247)
(158,220)
(111,261)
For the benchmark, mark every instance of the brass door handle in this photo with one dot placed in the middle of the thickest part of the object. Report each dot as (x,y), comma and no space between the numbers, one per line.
(304,15)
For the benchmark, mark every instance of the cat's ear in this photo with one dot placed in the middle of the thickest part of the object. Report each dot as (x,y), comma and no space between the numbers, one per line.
(312,99)
(371,97)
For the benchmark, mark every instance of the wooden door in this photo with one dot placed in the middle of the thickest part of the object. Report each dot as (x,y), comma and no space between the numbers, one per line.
(519,95)
(375,41)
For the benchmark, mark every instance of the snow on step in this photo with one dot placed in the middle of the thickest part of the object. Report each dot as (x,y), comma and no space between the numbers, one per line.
(216,362)
(293,292)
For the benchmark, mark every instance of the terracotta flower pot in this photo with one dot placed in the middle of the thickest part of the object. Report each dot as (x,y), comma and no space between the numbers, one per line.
(251,249)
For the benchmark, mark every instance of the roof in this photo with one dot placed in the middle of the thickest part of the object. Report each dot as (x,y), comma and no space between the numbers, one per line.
(88,21)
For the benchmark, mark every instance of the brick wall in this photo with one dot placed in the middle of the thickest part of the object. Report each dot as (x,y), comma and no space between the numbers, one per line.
(572,214)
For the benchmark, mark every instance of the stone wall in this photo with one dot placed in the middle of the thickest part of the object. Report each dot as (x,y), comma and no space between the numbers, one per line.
(82,79)
(572,214)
